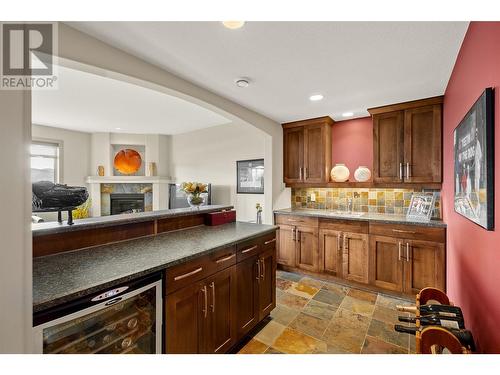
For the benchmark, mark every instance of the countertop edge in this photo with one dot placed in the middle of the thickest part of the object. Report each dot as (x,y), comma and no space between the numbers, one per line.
(367,218)
(154,215)
(44,305)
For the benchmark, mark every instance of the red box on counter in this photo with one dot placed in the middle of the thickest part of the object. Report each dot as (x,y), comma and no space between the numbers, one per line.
(221,217)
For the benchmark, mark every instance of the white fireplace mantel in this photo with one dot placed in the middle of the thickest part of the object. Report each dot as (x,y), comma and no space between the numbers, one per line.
(160,189)
(127,180)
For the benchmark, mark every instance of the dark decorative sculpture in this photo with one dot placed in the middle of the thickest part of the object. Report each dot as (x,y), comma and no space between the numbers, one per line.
(49,197)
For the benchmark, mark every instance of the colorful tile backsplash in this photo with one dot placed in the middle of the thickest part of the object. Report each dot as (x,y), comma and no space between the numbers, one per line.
(388,201)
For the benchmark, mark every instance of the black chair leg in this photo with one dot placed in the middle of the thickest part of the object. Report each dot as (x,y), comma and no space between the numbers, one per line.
(70,217)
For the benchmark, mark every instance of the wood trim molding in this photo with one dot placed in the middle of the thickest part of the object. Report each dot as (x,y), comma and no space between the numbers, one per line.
(406,105)
(312,121)
(371,184)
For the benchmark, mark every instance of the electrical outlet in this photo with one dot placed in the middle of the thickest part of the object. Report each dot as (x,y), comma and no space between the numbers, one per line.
(313,197)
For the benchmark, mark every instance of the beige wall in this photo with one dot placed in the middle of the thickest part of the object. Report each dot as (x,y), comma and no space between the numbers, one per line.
(210,155)
(75,153)
(15,200)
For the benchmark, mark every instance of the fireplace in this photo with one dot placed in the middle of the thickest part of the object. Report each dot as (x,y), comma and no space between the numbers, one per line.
(126,203)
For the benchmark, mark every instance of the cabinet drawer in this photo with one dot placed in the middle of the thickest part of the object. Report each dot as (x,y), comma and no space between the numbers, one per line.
(196,269)
(414,232)
(344,225)
(297,220)
(247,249)
(269,241)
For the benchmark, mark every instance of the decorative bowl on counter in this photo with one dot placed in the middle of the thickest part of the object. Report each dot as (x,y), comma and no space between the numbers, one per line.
(340,173)
(362,174)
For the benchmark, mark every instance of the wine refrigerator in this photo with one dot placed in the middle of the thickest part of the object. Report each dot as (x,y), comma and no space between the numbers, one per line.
(126,319)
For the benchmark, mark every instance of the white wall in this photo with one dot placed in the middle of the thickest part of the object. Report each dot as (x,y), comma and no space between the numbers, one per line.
(210,155)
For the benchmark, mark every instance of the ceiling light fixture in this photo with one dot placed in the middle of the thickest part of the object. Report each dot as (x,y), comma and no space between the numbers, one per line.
(242,82)
(233,25)
(118,128)
(315,97)
(347,114)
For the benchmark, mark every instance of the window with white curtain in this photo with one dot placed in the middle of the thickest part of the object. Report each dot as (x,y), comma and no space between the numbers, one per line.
(45,161)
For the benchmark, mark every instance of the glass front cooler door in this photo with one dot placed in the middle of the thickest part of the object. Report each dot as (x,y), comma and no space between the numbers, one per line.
(125,325)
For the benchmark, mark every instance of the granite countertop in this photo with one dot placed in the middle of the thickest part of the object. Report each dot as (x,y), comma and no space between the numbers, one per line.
(63,277)
(40,229)
(371,217)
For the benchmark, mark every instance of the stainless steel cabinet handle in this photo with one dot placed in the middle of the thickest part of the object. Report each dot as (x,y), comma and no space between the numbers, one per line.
(205,299)
(249,249)
(399,250)
(408,170)
(305,173)
(297,235)
(293,234)
(177,278)
(258,271)
(339,246)
(407,252)
(268,242)
(212,286)
(346,243)
(263,269)
(400,171)
(225,259)
(300,173)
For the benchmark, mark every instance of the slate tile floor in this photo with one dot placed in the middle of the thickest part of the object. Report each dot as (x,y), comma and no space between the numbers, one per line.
(314,316)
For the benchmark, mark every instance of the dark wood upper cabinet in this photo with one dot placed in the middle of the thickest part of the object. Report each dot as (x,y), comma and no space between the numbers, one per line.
(388,144)
(422,151)
(307,150)
(407,142)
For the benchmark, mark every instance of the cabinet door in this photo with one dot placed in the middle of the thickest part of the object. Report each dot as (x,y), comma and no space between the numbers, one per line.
(247,296)
(307,248)
(293,154)
(267,283)
(386,264)
(186,319)
(355,257)
(286,245)
(221,311)
(330,251)
(314,154)
(424,265)
(388,147)
(422,144)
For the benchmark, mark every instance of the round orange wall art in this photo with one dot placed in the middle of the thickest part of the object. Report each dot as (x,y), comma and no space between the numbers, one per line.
(127,161)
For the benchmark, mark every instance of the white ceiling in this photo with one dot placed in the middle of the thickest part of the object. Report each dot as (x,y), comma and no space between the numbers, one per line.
(355,65)
(92,103)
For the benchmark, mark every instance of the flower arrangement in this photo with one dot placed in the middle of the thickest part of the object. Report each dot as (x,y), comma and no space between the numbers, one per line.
(194,191)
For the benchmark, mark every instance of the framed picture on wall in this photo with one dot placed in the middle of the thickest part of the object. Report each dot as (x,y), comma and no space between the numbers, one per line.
(250,176)
(474,157)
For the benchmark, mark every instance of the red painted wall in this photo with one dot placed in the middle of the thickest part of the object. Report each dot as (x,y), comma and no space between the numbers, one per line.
(352,143)
(473,254)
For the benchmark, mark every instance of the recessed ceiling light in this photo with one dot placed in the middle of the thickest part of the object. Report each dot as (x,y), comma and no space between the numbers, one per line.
(315,97)
(233,25)
(347,114)
(118,128)
(242,82)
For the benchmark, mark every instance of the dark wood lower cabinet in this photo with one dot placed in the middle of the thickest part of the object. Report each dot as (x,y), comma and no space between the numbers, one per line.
(221,324)
(267,283)
(185,319)
(211,315)
(386,264)
(247,313)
